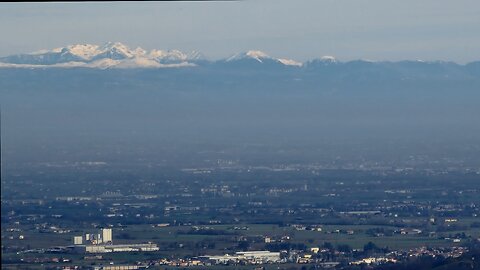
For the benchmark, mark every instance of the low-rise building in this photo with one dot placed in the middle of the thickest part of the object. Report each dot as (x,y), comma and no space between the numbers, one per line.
(252,257)
(116,248)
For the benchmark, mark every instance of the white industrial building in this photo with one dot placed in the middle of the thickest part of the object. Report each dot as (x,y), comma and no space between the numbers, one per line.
(119,267)
(116,248)
(257,257)
(78,240)
(102,242)
(104,236)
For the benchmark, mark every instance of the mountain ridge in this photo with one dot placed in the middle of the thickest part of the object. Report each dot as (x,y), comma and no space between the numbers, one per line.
(119,55)
(109,55)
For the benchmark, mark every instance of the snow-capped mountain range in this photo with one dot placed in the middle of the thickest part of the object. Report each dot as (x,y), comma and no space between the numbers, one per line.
(261,57)
(118,55)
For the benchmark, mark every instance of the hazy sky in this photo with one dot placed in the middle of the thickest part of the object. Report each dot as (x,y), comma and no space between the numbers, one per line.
(304,29)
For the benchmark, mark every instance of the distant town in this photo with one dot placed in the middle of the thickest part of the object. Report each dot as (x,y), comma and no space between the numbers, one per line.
(240,217)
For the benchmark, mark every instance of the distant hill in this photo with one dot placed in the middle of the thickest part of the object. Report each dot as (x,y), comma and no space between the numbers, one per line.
(118,55)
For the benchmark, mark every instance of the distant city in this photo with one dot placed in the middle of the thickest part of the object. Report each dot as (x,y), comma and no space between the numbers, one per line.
(234,216)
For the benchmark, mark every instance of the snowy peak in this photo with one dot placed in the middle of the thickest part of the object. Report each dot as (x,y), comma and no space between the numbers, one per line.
(290,62)
(115,46)
(110,54)
(262,57)
(117,51)
(172,56)
(84,51)
(328,59)
(252,54)
(257,55)
(116,55)
(324,61)
(88,52)
(194,55)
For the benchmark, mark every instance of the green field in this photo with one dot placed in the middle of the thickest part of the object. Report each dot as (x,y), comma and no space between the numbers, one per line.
(183,241)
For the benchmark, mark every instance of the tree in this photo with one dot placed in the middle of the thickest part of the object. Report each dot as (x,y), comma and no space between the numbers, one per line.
(328,245)
(243,245)
(370,247)
(344,248)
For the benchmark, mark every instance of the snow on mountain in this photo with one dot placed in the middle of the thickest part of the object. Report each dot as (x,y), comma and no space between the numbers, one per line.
(118,55)
(194,56)
(261,57)
(289,62)
(174,56)
(104,64)
(328,58)
(109,55)
(136,62)
(84,51)
(257,55)
(149,63)
(324,61)
(117,51)
(168,56)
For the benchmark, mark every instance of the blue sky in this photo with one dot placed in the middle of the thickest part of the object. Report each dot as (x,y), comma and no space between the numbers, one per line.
(301,30)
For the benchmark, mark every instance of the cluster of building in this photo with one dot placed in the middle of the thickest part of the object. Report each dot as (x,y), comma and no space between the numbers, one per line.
(247,257)
(102,242)
(446,252)
(373,260)
(104,236)
(239,258)
(396,256)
